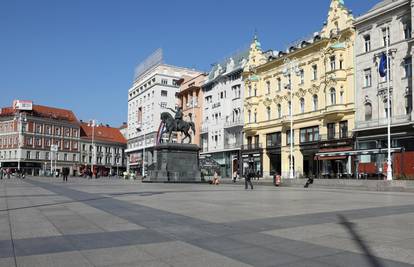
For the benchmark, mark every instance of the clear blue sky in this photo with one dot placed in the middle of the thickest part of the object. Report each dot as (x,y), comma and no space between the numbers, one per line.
(81,54)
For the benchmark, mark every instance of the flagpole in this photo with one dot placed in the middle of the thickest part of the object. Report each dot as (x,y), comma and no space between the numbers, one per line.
(389,161)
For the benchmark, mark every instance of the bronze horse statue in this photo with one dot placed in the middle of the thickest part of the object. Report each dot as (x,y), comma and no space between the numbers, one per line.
(171,125)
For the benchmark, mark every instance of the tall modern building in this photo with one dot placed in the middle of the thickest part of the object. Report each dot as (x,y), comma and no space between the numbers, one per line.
(394,18)
(311,80)
(221,131)
(154,89)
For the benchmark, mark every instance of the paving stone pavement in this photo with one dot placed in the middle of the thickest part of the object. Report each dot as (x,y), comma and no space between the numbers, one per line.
(111,222)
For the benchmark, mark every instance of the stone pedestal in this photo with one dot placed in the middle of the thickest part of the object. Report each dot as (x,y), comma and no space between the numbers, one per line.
(175,163)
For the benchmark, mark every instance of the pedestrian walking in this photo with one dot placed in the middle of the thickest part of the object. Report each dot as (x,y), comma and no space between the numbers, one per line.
(216,179)
(65,173)
(248,177)
(1,173)
(234,176)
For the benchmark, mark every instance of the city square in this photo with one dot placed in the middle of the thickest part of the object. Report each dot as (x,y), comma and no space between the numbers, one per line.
(206,133)
(114,222)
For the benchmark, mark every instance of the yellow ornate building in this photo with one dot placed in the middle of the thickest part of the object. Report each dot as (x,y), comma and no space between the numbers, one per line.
(323,102)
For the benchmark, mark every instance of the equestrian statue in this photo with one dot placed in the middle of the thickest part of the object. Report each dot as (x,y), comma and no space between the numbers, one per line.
(177,124)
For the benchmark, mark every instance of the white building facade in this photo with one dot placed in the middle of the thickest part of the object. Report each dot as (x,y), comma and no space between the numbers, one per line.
(222,128)
(395,19)
(153,90)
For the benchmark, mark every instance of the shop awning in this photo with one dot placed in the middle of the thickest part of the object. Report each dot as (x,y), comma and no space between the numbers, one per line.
(329,157)
(325,155)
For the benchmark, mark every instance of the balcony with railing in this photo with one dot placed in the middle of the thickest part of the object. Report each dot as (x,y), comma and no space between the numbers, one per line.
(253,146)
(204,128)
(383,122)
(335,136)
(232,145)
(234,123)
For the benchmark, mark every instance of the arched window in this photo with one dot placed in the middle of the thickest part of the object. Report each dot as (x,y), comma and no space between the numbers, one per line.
(249,114)
(302,105)
(332,93)
(289,108)
(368,111)
(268,113)
(315,102)
(279,110)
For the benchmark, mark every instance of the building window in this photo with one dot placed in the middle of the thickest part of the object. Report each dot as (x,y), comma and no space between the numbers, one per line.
(343,129)
(408,103)
(310,134)
(279,110)
(65,157)
(408,67)
(367,42)
(302,105)
(273,139)
(367,78)
(37,155)
(315,102)
(175,82)
(269,113)
(38,128)
(255,117)
(47,156)
(250,90)
(268,87)
(249,114)
(302,76)
(255,90)
(48,129)
(164,81)
(332,60)
(28,154)
(66,144)
(331,130)
(67,132)
(57,131)
(407,29)
(163,104)
(385,37)
(289,81)
(341,64)
(75,133)
(332,94)
(279,84)
(288,136)
(314,72)
(368,111)
(290,108)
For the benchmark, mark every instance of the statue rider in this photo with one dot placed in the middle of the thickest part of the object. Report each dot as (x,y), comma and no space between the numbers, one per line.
(178,115)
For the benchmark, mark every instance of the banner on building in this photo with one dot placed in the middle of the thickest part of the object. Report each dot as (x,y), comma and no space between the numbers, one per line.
(22,105)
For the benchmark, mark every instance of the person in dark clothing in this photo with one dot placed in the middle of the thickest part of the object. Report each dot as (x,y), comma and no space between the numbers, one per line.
(65,173)
(248,177)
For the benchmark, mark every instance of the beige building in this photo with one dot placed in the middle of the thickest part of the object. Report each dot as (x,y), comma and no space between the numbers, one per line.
(322,102)
(191,101)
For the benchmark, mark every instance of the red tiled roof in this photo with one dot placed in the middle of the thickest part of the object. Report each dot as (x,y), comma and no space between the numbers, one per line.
(45,112)
(102,133)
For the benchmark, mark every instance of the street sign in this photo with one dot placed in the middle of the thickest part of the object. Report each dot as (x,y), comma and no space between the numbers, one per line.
(54,148)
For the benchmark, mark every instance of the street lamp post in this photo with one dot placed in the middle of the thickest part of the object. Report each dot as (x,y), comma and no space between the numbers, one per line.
(389,161)
(20,119)
(291,66)
(92,124)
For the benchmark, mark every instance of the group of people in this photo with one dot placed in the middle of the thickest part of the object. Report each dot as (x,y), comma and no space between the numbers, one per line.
(6,173)
(249,175)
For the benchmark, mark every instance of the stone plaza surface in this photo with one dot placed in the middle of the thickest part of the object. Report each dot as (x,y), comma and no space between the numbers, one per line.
(110,222)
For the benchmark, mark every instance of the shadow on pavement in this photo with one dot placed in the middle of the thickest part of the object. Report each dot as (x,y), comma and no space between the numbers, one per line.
(349,226)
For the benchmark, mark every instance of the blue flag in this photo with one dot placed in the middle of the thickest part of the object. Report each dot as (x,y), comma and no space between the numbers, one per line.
(383,66)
